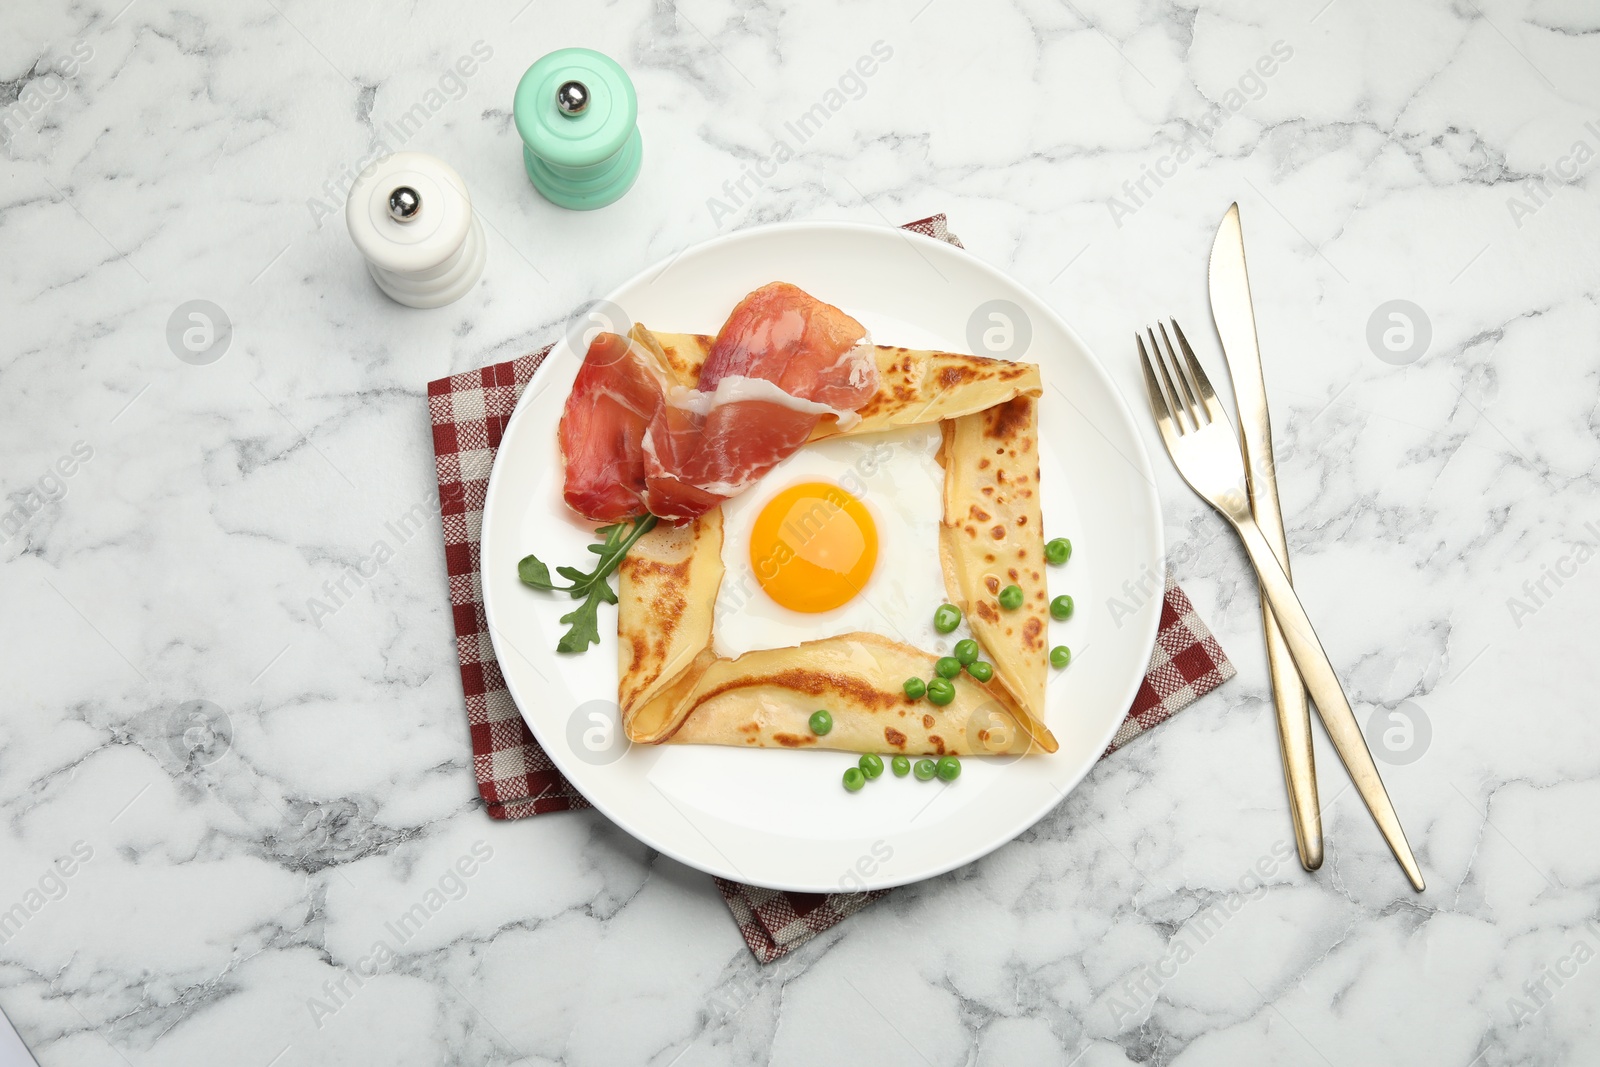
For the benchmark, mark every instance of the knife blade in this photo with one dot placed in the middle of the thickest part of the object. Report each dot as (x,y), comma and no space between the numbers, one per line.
(1234,314)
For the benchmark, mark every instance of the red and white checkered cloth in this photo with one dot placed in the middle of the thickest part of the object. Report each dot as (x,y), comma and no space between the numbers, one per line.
(517,779)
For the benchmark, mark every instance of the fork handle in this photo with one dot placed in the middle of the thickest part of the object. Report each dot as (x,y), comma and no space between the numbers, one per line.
(1327,693)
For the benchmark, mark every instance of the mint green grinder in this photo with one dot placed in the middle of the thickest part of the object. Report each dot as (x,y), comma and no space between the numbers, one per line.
(577,114)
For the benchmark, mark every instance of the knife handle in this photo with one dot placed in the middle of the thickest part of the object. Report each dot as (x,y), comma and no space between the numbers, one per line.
(1288,691)
(1294,743)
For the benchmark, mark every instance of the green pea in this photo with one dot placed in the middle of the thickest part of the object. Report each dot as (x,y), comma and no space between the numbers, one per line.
(821,722)
(901,766)
(924,770)
(1011,597)
(948,768)
(854,779)
(915,687)
(947,618)
(1058,551)
(1061,607)
(947,667)
(966,651)
(981,671)
(941,691)
(1060,656)
(871,765)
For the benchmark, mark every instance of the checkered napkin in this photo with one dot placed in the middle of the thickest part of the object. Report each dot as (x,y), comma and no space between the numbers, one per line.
(517,779)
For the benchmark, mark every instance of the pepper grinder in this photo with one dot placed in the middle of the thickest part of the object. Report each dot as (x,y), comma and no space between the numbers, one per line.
(412,219)
(577,114)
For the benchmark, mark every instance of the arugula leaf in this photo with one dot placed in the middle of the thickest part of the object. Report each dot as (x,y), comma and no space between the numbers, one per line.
(591,587)
(534,573)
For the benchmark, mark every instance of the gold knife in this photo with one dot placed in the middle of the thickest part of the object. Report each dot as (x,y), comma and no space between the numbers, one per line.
(1234,314)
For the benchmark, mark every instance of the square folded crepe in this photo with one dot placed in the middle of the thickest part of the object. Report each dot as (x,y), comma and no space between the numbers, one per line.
(674,687)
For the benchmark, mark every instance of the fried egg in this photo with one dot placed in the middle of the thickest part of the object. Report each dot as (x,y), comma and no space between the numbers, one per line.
(842,536)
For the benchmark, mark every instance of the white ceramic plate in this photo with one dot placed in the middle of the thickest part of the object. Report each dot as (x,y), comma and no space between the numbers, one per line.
(780,818)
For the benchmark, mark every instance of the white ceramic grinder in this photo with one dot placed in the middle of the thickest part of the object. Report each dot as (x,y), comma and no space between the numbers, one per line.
(412,219)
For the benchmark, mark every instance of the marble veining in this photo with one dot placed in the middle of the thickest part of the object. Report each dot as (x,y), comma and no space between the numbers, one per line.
(237,829)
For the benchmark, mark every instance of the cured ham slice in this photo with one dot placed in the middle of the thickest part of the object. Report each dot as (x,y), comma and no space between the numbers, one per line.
(635,441)
(786,336)
(706,447)
(618,391)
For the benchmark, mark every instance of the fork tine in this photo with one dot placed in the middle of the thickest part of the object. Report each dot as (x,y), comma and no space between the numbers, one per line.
(1208,394)
(1191,393)
(1158,400)
(1180,406)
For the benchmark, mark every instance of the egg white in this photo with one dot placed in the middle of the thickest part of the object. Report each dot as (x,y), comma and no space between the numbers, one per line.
(897,477)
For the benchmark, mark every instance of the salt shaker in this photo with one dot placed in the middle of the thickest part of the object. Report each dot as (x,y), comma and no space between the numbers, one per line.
(412,219)
(577,114)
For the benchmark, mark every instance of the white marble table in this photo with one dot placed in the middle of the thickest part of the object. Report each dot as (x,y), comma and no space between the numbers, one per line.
(175,519)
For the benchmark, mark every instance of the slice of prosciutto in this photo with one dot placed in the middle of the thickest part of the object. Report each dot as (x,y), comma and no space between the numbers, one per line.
(634,441)
(618,391)
(810,350)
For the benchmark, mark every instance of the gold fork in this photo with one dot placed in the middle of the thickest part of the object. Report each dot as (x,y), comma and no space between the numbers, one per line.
(1204,448)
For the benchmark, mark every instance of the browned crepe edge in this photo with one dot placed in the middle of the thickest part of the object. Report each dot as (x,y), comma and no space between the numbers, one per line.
(996,451)
(663,617)
(859,679)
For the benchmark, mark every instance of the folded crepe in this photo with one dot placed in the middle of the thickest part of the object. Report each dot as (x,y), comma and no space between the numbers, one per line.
(992,536)
(673,686)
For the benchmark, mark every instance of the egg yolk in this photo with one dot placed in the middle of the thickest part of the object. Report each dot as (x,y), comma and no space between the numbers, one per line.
(813,547)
